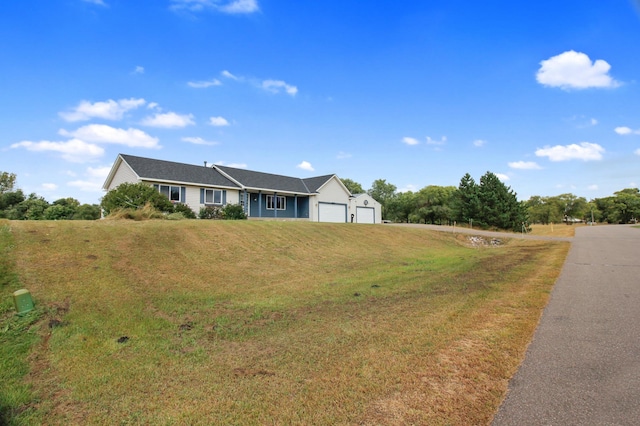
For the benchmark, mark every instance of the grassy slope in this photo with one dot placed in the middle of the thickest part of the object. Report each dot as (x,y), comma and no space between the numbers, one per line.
(275,322)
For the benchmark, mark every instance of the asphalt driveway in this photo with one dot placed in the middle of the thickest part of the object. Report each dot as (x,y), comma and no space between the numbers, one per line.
(583,365)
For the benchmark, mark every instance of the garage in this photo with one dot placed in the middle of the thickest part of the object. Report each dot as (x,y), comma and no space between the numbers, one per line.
(365,215)
(330,212)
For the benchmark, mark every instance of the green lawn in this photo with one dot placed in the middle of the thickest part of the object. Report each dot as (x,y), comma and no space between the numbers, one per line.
(203,322)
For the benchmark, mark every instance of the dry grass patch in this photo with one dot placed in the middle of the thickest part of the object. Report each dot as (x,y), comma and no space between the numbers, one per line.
(555,230)
(199,322)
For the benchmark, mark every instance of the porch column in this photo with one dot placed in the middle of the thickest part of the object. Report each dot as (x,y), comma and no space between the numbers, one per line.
(275,204)
(295,206)
(259,203)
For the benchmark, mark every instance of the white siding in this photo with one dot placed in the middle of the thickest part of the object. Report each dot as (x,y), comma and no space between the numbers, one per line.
(122,175)
(193,198)
(358,205)
(331,192)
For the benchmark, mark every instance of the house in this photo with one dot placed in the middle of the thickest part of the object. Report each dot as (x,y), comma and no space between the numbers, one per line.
(262,195)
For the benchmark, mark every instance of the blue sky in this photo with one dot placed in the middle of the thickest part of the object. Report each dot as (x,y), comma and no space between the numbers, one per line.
(544,94)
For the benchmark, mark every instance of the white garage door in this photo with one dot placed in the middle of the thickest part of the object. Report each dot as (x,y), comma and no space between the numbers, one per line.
(365,215)
(332,212)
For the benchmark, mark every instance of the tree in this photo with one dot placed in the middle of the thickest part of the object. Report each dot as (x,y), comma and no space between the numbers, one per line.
(87,212)
(135,196)
(62,209)
(489,204)
(9,200)
(401,207)
(466,203)
(623,207)
(7,182)
(435,204)
(382,192)
(573,207)
(353,186)
(499,205)
(31,208)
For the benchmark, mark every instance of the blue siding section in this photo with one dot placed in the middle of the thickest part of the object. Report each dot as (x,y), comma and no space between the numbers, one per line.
(289,213)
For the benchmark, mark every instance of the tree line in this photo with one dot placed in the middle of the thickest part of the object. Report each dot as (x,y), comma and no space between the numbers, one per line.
(15,205)
(490,203)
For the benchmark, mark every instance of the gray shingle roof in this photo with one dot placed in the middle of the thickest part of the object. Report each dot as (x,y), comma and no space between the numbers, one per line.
(160,170)
(315,183)
(260,180)
(150,169)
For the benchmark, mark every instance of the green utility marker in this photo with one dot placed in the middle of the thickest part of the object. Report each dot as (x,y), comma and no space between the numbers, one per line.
(23,301)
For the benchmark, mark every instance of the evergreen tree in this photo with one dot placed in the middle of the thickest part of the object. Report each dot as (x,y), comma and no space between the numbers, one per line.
(466,202)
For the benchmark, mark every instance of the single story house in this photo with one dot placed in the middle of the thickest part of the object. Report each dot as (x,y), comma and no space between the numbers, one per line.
(262,195)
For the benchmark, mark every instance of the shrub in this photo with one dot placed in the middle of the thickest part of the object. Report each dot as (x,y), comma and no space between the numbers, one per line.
(233,212)
(185,210)
(228,212)
(144,213)
(210,212)
(135,196)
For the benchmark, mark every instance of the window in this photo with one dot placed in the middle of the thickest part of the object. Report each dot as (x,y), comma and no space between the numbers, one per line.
(276,202)
(171,192)
(212,196)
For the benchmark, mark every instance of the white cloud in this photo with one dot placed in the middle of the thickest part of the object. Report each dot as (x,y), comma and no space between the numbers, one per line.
(230,7)
(276,86)
(234,165)
(575,70)
(218,121)
(585,151)
(343,155)
(169,120)
(101,133)
(240,6)
(592,187)
(502,177)
(626,131)
(138,70)
(153,105)
(524,165)
(198,141)
(593,122)
(227,74)
(74,150)
(49,186)
(442,141)
(408,188)
(410,141)
(479,143)
(637,152)
(204,84)
(86,185)
(305,165)
(272,86)
(98,2)
(99,172)
(108,110)
(95,177)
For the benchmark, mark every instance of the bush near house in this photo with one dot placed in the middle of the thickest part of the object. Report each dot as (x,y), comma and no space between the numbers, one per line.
(228,212)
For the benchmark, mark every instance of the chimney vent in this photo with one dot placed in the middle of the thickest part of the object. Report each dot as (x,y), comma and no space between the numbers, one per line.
(205,164)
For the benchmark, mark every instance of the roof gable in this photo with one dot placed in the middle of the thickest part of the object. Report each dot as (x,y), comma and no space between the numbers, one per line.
(150,169)
(161,170)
